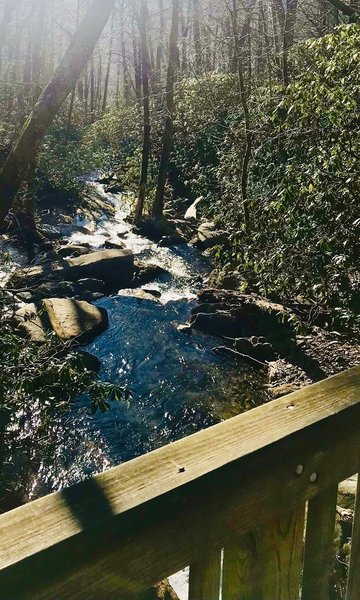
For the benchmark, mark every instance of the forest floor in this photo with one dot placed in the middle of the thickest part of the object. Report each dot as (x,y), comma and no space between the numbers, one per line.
(320,354)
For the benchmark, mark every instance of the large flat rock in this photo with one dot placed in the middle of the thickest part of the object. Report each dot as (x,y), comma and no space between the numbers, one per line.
(72,320)
(75,319)
(114,267)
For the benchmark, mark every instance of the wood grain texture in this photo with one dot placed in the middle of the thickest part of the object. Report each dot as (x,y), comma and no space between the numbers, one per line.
(319,545)
(353,585)
(204,579)
(124,530)
(266,563)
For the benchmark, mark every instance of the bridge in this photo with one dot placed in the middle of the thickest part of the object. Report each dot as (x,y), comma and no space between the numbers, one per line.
(249,505)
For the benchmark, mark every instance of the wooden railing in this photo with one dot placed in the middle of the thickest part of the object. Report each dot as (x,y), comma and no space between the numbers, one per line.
(229,501)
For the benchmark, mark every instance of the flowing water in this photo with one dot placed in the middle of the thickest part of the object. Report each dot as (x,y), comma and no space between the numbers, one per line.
(178,384)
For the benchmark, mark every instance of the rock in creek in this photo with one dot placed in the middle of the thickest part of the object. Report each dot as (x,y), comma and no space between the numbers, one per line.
(168,241)
(235,315)
(155,229)
(73,250)
(114,267)
(71,320)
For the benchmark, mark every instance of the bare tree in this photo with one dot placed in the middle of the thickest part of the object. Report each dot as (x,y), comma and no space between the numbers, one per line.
(146,111)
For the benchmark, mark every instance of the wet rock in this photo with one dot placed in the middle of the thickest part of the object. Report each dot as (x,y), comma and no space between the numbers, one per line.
(155,229)
(49,257)
(234,314)
(114,245)
(92,285)
(33,276)
(114,188)
(168,241)
(141,295)
(147,272)
(106,178)
(83,230)
(114,267)
(61,289)
(75,320)
(155,293)
(209,236)
(220,323)
(89,361)
(74,250)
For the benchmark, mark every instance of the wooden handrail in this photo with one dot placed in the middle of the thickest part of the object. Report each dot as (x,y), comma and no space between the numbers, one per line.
(125,529)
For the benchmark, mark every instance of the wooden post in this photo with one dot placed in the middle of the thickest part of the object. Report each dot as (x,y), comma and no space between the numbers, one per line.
(319,545)
(204,581)
(266,563)
(353,586)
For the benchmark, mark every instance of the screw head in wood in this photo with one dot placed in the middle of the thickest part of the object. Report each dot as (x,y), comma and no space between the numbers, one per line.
(299,469)
(313,477)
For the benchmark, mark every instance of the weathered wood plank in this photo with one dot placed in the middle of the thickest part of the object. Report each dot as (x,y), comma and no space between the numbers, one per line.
(353,585)
(122,531)
(319,545)
(204,580)
(266,563)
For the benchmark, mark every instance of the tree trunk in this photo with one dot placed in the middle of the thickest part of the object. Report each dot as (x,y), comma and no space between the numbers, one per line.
(197,38)
(146,111)
(108,68)
(158,206)
(62,83)
(240,41)
(289,32)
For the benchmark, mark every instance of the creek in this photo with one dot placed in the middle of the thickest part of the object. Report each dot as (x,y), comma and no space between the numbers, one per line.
(178,384)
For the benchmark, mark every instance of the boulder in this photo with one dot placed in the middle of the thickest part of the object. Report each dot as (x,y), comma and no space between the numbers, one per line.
(234,314)
(168,241)
(209,236)
(74,250)
(109,245)
(114,188)
(155,228)
(220,323)
(89,284)
(89,361)
(106,178)
(51,289)
(114,267)
(147,272)
(75,319)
